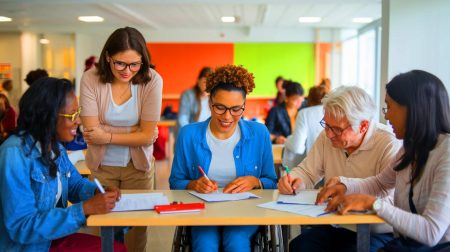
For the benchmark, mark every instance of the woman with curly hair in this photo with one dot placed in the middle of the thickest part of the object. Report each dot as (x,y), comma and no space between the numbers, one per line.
(235,154)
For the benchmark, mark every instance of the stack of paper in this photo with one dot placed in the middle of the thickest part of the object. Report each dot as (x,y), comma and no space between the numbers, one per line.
(140,201)
(302,203)
(220,196)
(304,197)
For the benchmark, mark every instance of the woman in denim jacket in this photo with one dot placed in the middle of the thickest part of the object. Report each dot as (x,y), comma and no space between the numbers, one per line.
(236,154)
(36,177)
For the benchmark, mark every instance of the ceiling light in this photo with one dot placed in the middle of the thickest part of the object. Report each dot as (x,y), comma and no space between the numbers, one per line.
(228,19)
(44,41)
(362,20)
(90,18)
(309,19)
(5,19)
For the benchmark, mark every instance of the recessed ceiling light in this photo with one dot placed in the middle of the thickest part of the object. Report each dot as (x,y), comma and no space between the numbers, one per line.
(362,20)
(44,41)
(228,19)
(90,18)
(309,19)
(5,19)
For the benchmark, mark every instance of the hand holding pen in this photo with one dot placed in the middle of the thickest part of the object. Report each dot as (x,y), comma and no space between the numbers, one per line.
(289,178)
(203,184)
(103,201)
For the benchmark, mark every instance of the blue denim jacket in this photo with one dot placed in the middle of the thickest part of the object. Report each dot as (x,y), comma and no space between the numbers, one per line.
(29,220)
(252,154)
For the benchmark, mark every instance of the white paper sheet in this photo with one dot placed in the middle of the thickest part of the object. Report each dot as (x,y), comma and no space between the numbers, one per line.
(140,201)
(220,196)
(308,210)
(304,197)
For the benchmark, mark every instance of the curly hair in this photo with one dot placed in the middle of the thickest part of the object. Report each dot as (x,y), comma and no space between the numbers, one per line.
(230,77)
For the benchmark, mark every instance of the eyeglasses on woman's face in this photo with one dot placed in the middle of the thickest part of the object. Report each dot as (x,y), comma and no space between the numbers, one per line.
(222,109)
(336,130)
(74,116)
(120,66)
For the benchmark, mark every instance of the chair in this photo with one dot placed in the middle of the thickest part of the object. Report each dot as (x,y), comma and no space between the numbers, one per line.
(267,239)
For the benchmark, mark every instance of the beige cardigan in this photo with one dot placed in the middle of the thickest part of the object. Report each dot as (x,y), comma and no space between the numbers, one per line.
(94,98)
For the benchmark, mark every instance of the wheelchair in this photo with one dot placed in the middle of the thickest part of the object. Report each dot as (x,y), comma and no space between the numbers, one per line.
(266,239)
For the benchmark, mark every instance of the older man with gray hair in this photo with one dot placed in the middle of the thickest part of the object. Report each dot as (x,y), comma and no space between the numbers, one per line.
(352,145)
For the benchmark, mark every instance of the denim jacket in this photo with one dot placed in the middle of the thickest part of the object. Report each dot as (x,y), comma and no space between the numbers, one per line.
(29,220)
(252,154)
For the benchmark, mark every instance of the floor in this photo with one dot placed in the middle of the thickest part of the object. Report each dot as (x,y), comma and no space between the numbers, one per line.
(160,238)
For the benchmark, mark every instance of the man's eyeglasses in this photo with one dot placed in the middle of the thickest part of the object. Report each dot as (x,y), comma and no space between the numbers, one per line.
(234,111)
(336,130)
(72,116)
(120,66)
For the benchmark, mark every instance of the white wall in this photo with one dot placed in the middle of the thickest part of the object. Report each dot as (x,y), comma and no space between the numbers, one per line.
(10,52)
(86,45)
(419,38)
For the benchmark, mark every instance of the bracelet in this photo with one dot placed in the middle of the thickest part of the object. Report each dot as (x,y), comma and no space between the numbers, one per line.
(110,138)
(260,184)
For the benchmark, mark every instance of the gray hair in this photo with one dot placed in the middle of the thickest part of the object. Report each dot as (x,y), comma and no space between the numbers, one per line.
(349,102)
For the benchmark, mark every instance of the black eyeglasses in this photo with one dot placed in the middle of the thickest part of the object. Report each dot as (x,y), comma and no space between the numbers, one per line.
(120,66)
(234,111)
(384,110)
(336,130)
(72,116)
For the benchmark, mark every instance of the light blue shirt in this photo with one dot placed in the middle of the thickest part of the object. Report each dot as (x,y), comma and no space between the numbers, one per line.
(29,220)
(252,154)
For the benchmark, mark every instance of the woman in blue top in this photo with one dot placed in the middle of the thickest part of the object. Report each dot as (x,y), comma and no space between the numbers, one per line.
(235,154)
(281,119)
(37,178)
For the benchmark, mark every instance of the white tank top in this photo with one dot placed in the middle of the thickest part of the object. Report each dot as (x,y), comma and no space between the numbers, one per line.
(124,115)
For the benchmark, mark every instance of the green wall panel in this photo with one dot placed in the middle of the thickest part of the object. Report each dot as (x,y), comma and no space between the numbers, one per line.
(268,60)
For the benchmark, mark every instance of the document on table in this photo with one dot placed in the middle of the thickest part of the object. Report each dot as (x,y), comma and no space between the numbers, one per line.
(308,210)
(140,201)
(303,197)
(220,196)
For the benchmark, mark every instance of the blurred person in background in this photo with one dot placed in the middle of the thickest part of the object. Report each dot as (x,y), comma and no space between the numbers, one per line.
(34,75)
(281,119)
(307,128)
(8,118)
(194,102)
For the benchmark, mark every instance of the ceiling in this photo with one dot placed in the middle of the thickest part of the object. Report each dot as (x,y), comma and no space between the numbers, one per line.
(171,16)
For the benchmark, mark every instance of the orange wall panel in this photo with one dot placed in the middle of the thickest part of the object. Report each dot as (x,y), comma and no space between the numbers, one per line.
(180,63)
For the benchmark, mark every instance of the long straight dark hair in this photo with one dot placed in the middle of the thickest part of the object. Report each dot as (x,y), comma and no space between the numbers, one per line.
(428,116)
(39,109)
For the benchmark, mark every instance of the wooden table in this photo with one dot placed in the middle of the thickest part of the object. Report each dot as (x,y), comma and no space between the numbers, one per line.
(243,212)
(82,168)
(277,150)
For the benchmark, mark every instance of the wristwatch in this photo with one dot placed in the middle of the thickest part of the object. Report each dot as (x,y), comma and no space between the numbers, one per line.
(377,204)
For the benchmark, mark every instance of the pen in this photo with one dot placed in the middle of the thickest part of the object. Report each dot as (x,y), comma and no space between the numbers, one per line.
(99,186)
(203,173)
(289,177)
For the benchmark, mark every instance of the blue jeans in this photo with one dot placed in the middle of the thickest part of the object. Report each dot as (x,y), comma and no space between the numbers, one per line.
(329,238)
(234,238)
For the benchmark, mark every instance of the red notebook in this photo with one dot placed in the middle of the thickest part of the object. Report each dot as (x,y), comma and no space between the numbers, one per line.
(179,208)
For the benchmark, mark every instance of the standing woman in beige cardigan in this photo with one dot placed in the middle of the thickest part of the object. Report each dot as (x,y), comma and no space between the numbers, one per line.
(121,101)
